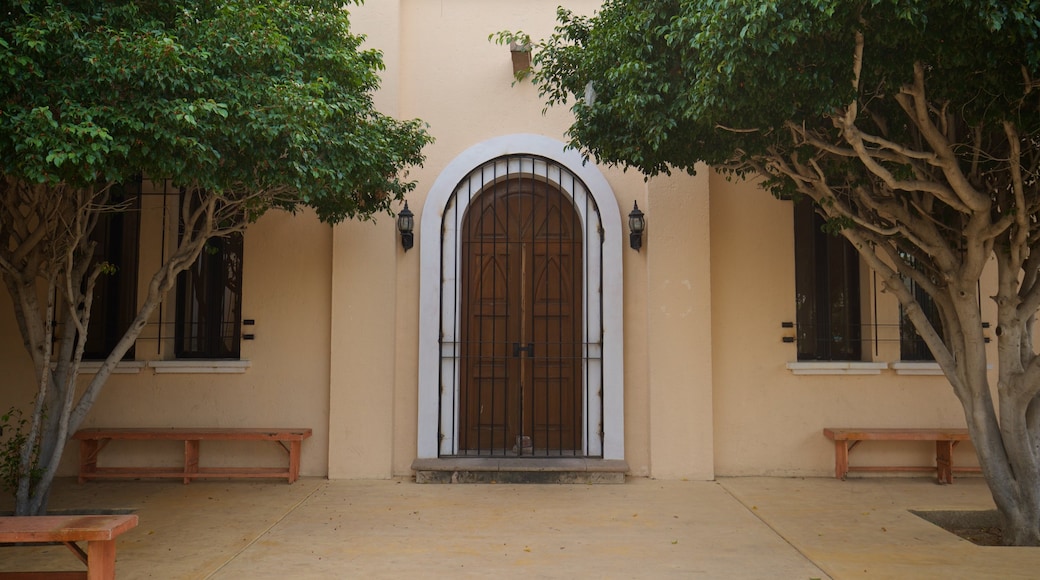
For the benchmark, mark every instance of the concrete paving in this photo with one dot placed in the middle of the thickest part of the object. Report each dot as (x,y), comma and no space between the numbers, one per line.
(733,528)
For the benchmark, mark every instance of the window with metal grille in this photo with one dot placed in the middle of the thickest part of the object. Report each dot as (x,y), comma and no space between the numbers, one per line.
(911,346)
(826,290)
(209,302)
(115,292)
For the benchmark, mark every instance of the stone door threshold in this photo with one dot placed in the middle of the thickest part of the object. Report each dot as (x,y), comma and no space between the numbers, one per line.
(519,470)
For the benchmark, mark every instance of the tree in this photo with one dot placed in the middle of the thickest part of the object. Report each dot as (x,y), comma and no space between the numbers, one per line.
(247,105)
(914,126)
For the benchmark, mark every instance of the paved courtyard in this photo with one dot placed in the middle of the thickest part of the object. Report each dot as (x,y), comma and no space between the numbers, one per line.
(733,528)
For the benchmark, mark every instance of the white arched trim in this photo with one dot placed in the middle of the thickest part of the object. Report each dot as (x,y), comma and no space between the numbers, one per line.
(431,280)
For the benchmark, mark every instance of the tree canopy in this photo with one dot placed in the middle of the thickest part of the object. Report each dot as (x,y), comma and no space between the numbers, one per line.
(247,105)
(914,126)
(669,77)
(223,96)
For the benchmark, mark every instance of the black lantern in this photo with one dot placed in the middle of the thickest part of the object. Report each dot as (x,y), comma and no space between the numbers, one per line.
(636,225)
(406,225)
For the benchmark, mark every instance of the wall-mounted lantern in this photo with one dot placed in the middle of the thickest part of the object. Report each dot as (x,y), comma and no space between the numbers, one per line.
(406,226)
(636,226)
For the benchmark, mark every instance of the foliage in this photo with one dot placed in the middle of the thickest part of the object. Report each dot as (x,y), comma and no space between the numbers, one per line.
(517,41)
(671,75)
(14,434)
(913,125)
(223,96)
(247,104)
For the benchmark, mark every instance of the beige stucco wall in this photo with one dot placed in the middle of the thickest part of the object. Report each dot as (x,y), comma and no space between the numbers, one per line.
(706,389)
(16,384)
(768,421)
(679,320)
(444,70)
(287,292)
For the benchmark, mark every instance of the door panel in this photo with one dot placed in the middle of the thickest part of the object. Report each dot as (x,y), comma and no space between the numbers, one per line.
(521,318)
(555,325)
(487,324)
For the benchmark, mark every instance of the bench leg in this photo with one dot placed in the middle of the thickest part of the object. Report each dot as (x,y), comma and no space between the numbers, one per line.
(101,560)
(88,452)
(191,459)
(944,461)
(841,459)
(294,460)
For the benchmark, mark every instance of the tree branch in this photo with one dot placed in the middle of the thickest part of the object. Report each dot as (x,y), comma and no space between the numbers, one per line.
(946,160)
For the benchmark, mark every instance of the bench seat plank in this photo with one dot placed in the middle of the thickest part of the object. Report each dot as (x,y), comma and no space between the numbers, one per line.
(181,434)
(99,531)
(77,528)
(893,434)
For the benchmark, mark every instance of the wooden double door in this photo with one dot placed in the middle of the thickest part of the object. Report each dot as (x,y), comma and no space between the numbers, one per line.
(521,317)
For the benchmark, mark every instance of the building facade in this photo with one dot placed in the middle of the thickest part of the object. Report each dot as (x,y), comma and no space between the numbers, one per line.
(522,322)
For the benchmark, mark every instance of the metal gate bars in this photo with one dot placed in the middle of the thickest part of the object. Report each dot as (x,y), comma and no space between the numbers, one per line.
(521,313)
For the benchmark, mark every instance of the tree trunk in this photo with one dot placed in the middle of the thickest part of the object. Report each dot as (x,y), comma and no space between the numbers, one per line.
(58,412)
(1003,436)
(1020,527)
(1006,443)
(1014,479)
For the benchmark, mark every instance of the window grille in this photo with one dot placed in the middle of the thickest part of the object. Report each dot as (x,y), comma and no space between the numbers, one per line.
(115,292)
(826,289)
(209,302)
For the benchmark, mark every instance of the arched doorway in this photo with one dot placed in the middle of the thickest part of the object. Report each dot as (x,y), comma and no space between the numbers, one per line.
(521,322)
(584,271)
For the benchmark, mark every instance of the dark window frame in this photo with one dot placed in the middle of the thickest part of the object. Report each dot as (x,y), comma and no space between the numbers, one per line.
(827,290)
(911,346)
(208,320)
(114,307)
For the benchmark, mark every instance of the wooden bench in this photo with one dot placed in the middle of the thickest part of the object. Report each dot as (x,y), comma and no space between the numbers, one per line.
(99,532)
(92,441)
(945,440)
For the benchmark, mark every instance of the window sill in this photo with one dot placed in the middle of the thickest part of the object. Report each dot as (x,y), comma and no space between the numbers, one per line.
(200,366)
(126,367)
(916,368)
(836,368)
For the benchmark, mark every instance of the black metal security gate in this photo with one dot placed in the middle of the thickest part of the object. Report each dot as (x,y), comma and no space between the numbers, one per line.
(520,348)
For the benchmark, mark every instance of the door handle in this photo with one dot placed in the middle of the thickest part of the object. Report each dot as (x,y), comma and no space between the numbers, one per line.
(517,349)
